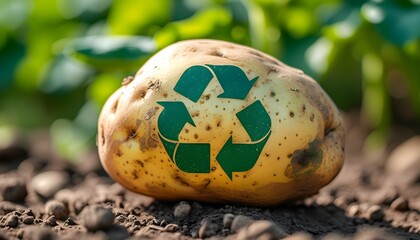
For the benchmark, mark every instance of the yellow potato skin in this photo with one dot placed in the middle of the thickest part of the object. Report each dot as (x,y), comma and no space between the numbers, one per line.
(301,114)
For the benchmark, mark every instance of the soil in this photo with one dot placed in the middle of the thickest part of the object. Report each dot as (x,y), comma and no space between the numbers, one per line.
(375,196)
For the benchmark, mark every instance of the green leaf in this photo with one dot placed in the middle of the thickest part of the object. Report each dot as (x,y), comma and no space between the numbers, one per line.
(397,23)
(90,10)
(133,17)
(214,22)
(10,57)
(65,74)
(13,13)
(112,52)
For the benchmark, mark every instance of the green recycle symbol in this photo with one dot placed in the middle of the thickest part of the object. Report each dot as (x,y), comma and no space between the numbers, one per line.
(195,157)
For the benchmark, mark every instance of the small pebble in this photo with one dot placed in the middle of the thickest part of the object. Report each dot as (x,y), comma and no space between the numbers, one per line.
(51,221)
(324,199)
(120,219)
(12,221)
(342,201)
(182,210)
(403,164)
(117,232)
(69,222)
(196,205)
(207,229)
(227,220)
(48,183)
(163,223)
(97,218)
(239,222)
(375,213)
(28,220)
(400,204)
(172,227)
(13,189)
(56,208)
(262,229)
(353,210)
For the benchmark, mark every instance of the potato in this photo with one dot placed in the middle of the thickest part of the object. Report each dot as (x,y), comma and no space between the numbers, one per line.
(214,121)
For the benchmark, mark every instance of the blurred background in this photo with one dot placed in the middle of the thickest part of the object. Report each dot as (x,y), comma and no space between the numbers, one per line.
(61,59)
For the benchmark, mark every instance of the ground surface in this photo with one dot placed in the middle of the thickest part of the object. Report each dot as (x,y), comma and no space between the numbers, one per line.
(376,196)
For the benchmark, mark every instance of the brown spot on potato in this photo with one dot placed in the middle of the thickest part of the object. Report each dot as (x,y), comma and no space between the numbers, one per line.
(140,163)
(181,180)
(132,134)
(208,127)
(127,80)
(291,114)
(256,53)
(147,142)
(295,90)
(154,85)
(139,93)
(217,53)
(119,153)
(115,105)
(134,174)
(150,113)
(328,131)
(273,69)
(312,117)
(272,94)
(305,161)
(102,135)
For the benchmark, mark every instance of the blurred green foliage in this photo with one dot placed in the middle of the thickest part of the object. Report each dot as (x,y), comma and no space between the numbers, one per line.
(61,59)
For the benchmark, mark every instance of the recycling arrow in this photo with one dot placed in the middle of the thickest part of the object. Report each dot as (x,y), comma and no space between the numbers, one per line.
(170,123)
(232,79)
(177,115)
(193,82)
(255,120)
(239,157)
(257,123)
(195,157)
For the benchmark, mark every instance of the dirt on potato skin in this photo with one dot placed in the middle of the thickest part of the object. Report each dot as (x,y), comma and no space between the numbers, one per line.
(45,197)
